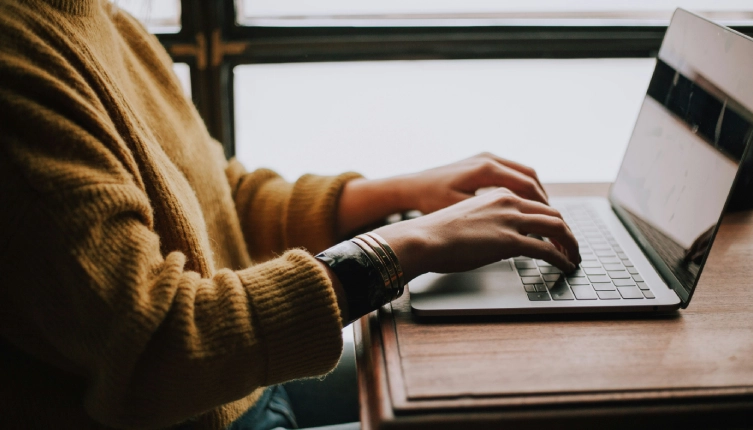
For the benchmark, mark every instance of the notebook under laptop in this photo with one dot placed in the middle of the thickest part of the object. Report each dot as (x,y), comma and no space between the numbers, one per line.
(644,247)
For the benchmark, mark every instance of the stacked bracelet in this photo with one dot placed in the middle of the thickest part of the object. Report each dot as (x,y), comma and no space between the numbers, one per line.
(372,243)
(368,270)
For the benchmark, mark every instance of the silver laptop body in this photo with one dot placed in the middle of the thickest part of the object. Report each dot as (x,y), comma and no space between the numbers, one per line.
(644,247)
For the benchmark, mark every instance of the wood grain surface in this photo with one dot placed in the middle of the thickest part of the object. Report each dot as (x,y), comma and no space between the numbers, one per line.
(452,370)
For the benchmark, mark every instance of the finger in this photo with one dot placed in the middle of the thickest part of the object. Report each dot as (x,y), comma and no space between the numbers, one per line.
(553,228)
(528,171)
(531,207)
(559,245)
(520,184)
(546,251)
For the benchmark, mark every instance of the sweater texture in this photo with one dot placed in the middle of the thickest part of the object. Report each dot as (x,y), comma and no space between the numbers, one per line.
(128,296)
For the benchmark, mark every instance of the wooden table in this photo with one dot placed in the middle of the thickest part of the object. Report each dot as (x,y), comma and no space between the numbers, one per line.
(693,367)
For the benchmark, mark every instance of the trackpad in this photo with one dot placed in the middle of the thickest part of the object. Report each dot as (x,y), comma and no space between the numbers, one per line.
(492,280)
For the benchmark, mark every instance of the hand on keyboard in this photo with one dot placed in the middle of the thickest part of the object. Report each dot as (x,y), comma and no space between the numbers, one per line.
(482,230)
(605,272)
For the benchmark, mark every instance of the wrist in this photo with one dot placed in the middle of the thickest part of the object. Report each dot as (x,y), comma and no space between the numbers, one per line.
(392,195)
(366,274)
(365,202)
(401,192)
(410,244)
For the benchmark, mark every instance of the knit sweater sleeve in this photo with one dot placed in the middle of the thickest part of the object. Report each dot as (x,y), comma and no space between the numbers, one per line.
(88,288)
(154,342)
(276,215)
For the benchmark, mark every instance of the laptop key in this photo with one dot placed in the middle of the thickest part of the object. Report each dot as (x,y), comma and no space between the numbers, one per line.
(630,292)
(540,288)
(595,271)
(643,285)
(632,270)
(531,279)
(599,278)
(530,288)
(622,255)
(551,277)
(608,260)
(560,291)
(549,269)
(584,292)
(577,273)
(638,278)
(619,274)
(523,264)
(623,282)
(614,266)
(627,263)
(605,253)
(608,295)
(648,294)
(528,272)
(603,286)
(584,264)
(538,297)
(577,281)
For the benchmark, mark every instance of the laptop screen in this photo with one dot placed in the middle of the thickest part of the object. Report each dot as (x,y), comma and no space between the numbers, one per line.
(691,134)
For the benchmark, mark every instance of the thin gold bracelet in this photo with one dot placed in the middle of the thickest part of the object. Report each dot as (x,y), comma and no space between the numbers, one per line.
(395,262)
(378,263)
(388,264)
(388,249)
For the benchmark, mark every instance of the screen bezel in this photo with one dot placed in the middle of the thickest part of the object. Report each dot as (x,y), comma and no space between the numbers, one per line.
(661,267)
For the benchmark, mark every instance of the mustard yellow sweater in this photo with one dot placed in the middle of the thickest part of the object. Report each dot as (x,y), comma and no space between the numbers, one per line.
(128,295)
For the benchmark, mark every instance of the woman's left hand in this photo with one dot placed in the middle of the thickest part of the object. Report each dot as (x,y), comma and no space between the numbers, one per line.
(366,201)
(438,188)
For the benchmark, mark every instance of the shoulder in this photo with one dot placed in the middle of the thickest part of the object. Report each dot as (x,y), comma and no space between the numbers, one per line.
(54,120)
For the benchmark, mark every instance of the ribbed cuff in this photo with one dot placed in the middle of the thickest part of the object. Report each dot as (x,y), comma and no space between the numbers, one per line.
(297,316)
(312,211)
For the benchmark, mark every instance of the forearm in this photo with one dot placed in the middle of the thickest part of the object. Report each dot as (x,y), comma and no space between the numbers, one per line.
(366,201)
(276,215)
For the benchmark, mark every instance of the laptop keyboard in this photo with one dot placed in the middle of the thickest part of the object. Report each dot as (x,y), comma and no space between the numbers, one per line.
(605,273)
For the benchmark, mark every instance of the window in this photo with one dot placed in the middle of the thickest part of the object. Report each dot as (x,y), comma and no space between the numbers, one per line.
(392,117)
(160,17)
(331,85)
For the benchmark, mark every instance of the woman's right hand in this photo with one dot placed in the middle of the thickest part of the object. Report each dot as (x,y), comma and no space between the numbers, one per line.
(480,231)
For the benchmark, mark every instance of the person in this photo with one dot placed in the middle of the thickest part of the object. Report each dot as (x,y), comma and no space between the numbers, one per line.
(149,282)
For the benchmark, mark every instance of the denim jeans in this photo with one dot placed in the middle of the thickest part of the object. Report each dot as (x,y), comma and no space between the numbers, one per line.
(271,411)
(309,402)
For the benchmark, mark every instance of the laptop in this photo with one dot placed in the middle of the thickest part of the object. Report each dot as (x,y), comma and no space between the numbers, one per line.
(644,246)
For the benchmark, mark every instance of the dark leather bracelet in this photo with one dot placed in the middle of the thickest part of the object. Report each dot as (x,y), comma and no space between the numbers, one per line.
(359,276)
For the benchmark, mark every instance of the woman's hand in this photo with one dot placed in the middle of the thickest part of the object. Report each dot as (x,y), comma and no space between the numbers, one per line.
(364,202)
(479,231)
(444,186)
